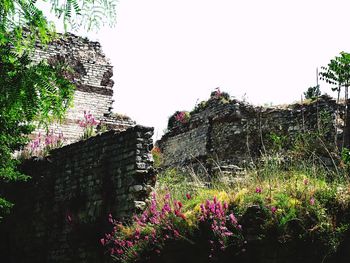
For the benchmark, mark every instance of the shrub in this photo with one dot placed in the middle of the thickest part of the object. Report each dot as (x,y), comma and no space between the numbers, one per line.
(312,93)
(222,97)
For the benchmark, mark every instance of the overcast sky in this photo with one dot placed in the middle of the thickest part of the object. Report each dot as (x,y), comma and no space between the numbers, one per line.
(167,54)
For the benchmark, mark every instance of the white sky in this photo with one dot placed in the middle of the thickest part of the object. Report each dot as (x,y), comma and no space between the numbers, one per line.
(167,54)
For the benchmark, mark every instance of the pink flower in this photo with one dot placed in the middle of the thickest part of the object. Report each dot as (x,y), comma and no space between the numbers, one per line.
(188,196)
(306,181)
(217,92)
(82,124)
(137,233)
(176,233)
(233,219)
(69,218)
(273,209)
(181,117)
(258,190)
(129,243)
(103,241)
(110,219)
(166,208)
(312,201)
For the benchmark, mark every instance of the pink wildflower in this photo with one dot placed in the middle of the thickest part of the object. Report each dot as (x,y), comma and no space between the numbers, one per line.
(129,243)
(273,209)
(103,241)
(176,233)
(233,219)
(312,201)
(69,218)
(181,117)
(217,92)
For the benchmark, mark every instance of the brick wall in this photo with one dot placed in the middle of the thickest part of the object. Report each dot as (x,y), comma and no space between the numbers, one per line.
(231,132)
(62,212)
(94,86)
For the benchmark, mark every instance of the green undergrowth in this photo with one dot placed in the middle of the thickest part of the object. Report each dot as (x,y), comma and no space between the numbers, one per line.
(304,207)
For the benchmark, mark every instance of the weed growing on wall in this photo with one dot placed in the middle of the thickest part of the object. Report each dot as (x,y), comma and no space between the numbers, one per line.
(89,124)
(41,145)
(157,157)
(182,117)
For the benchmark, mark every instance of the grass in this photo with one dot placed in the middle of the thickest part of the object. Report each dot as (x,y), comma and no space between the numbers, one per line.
(286,207)
(303,202)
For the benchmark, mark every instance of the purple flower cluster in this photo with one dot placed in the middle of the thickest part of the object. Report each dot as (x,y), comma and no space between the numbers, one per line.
(258,190)
(222,223)
(160,220)
(88,121)
(88,124)
(41,145)
(160,223)
(182,117)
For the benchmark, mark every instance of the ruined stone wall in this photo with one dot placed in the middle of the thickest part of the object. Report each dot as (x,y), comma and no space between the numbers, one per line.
(232,132)
(62,212)
(94,86)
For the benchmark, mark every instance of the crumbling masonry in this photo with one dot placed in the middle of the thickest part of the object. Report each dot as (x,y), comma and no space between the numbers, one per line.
(62,212)
(94,86)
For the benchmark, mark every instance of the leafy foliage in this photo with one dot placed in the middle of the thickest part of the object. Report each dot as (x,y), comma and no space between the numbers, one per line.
(30,93)
(337,73)
(18,14)
(35,93)
(312,93)
(88,13)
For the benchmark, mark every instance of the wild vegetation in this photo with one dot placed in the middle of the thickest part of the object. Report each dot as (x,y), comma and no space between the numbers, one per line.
(34,94)
(287,206)
(303,206)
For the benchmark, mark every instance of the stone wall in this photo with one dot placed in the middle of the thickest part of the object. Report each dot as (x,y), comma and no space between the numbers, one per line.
(230,132)
(94,86)
(62,212)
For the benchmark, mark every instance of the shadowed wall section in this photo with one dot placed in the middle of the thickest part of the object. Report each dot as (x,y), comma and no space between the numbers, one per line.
(61,214)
